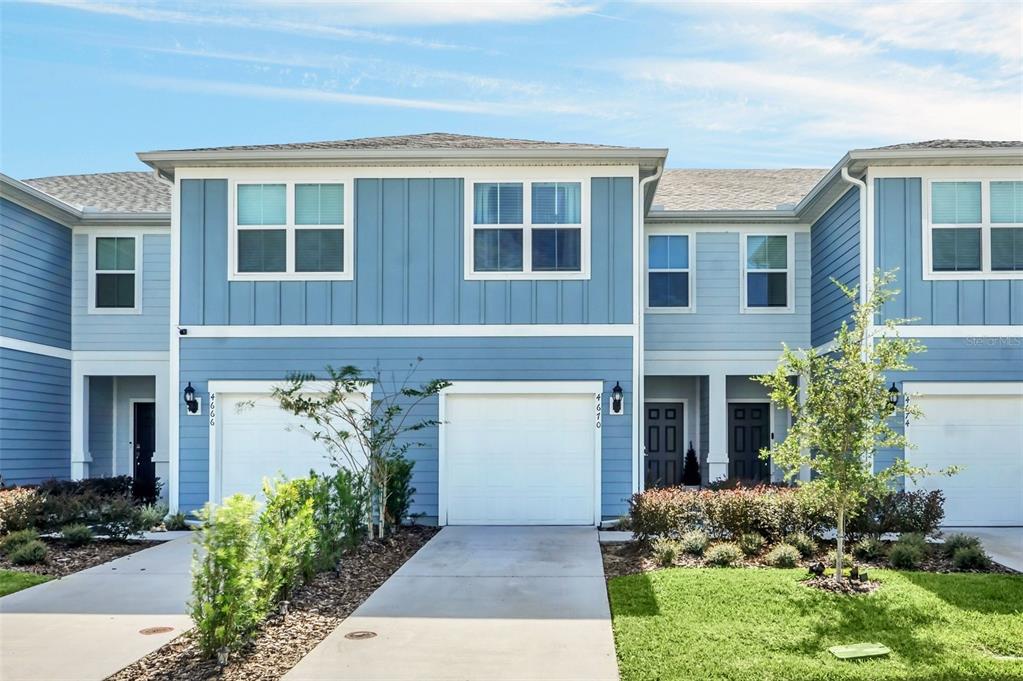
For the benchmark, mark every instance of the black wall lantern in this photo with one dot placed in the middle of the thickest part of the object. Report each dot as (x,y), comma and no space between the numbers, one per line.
(893,397)
(617,398)
(191,404)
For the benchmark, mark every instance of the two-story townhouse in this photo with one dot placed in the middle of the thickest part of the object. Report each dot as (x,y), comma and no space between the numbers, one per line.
(596,314)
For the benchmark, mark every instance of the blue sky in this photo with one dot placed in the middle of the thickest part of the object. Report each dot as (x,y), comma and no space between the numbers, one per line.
(87,84)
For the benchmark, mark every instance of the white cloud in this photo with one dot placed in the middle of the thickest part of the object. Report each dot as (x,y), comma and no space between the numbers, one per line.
(413,12)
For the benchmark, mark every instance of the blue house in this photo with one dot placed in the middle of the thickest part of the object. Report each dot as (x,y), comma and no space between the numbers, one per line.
(597,314)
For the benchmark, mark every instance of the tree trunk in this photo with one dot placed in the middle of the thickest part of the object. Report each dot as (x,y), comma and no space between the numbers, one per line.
(840,545)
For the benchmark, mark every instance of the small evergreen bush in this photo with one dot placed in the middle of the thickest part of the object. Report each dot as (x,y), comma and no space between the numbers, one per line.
(694,543)
(151,515)
(723,555)
(287,538)
(783,556)
(30,553)
(869,548)
(16,539)
(907,553)
(751,544)
(957,541)
(76,534)
(970,558)
(665,551)
(175,523)
(803,542)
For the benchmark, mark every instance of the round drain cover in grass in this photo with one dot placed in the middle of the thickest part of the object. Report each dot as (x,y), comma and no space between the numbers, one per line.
(858,650)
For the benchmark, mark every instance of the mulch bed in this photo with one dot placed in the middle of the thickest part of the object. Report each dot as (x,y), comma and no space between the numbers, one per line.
(64,560)
(315,610)
(846,587)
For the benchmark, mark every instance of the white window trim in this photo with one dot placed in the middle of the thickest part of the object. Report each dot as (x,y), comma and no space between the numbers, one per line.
(93,309)
(790,272)
(527,228)
(347,227)
(985,225)
(691,243)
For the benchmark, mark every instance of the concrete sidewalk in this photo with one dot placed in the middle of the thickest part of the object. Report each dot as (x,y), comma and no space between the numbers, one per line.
(481,603)
(87,625)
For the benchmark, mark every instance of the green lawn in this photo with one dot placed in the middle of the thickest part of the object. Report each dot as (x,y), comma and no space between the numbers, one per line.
(11,581)
(754,625)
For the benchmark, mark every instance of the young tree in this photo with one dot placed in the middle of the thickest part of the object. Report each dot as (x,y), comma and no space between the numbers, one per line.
(368,437)
(847,414)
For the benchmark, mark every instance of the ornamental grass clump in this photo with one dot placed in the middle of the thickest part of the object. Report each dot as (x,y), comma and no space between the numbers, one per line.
(694,543)
(723,555)
(751,544)
(956,541)
(783,556)
(665,551)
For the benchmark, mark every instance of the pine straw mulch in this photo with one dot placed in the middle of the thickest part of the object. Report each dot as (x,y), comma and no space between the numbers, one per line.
(63,560)
(315,610)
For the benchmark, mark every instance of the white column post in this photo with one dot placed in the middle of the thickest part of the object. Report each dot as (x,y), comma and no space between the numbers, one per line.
(717,453)
(161,457)
(80,456)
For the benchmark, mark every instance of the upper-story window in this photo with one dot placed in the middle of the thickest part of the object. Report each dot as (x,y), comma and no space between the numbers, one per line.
(528,230)
(767,273)
(974,229)
(290,230)
(114,274)
(668,272)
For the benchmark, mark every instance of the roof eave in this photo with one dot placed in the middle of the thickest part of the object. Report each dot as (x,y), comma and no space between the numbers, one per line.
(153,219)
(30,197)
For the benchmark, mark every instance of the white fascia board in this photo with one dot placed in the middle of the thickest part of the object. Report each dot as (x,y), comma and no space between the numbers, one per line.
(35,348)
(524,388)
(409,331)
(952,331)
(982,388)
(267,387)
(29,197)
(102,219)
(722,217)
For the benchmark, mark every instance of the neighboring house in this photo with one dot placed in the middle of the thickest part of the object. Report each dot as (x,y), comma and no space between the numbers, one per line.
(595,313)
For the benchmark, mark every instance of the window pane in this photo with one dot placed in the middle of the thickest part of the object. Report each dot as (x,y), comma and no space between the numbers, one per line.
(669,289)
(766,289)
(319,250)
(767,252)
(1007,249)
(261,204)
(319,204)
(669,251)
(498,203)
(261,250)
(955,203)
(955,250)
(557,250)
(115,253)
(115,290)
(557,203)
(497,250)
(1006,202)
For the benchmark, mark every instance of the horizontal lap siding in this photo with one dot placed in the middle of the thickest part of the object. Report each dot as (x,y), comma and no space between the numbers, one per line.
(457,359)
(716,323)
(35,277)
(835,254)
(146,331)
(958,359)
(898,230)
(35,422)
(409,265)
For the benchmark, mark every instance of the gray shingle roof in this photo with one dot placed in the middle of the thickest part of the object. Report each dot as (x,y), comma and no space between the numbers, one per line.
(713,189)
(129,192)
(951,144)
(431,140)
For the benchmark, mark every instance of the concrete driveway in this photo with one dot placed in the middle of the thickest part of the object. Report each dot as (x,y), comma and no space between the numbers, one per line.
(481,603)
(88,625)
(1003,544)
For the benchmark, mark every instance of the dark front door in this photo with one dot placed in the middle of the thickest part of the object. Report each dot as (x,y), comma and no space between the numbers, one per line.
(143,468)
(664,448)
(749,431)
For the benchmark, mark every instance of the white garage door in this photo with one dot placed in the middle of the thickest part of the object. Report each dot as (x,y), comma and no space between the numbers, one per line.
(256,439)
(520,459)
(983,434)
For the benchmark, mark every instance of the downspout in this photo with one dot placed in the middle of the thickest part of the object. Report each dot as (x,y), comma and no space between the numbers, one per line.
(866,278)
(641,280)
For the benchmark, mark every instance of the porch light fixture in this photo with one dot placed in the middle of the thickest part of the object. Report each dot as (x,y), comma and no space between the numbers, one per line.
(617,397)
(893,397)
(191,404)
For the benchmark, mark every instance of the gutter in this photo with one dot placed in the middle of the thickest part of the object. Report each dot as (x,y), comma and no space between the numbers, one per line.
(865,276)
(640,301)
(786,216)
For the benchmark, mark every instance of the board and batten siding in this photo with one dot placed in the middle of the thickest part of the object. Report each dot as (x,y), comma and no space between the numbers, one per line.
(145,331)
(898,235)
(409,265)
(716,323)
(35,423)
(455,359)
(35,277)
(834,254)
(978,359)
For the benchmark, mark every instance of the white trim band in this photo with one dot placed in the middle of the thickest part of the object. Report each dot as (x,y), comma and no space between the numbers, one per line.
(34,348)
(409,331)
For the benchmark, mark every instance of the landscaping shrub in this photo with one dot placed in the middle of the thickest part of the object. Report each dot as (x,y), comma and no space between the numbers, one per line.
(908,552)
(16,539)
(116,486)
(20,508)
(899,512)
(399,489)
(226,585)
(694,543)
(287,539)
(954,542)
(29,553)
(970,558)
(803,543)
(77,534)
(723,555)
(175,523)
(666,512)
(339,512)
(869,548)
(751,544)
(152,515)
(783,556)
(665,551)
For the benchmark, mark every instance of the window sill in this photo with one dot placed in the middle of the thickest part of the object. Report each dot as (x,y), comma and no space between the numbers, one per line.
(102,311)
(527,276)
(670,310)
(766,310)
(291,276)
(973,276)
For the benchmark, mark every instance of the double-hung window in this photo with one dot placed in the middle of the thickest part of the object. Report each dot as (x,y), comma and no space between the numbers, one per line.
(290,230)
(114,276)
(767,273)
(527,230)
(668,272)
(974,229)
